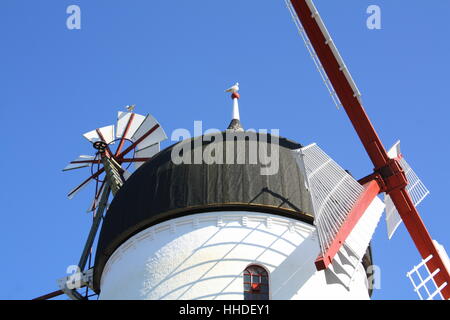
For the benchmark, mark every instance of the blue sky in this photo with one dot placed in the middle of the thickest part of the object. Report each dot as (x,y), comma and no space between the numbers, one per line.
(173,59)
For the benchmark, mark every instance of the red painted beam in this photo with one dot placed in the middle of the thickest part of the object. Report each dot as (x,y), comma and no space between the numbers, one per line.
(122,140)
(388,169)
(134,145)
(102,138)
(344,91)
(422,239)
(371,190)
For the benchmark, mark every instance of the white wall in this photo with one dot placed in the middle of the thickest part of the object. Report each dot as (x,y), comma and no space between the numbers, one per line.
(203,256)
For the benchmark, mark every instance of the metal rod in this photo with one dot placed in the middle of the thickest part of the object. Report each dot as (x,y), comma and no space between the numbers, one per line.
(125,132)
(149,132)
(50,295)
(102,138)
(94,228)
(95,175)
(134,160)
(84,161)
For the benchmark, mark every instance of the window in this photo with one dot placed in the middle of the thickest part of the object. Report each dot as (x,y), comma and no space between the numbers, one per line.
(256,283)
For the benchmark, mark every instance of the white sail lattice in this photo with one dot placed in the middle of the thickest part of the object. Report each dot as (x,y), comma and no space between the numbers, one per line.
(334,192)
(423,280)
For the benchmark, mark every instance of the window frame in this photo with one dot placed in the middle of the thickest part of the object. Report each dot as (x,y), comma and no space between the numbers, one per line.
(262,273)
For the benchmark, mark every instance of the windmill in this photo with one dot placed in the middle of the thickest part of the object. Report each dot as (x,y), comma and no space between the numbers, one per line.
(183,206)
(134,140)
(391,174)
(143,132)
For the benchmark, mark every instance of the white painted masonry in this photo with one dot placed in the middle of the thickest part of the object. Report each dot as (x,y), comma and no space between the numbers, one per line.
(203,256)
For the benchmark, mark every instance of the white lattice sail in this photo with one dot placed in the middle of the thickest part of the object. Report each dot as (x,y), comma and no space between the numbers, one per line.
(334,193)
(415,188)
(423,280)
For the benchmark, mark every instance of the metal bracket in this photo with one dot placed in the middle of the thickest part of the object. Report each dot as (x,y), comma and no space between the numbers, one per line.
(374,177)
(393,175)
(390,177)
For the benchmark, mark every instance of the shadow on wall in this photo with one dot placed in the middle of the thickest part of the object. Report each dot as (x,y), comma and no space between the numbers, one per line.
(292,268)
(295,270)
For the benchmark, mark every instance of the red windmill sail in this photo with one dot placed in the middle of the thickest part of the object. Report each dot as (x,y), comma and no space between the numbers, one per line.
(388,173)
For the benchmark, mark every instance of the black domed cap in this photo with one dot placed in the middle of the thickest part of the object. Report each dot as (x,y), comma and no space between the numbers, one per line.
(161,189)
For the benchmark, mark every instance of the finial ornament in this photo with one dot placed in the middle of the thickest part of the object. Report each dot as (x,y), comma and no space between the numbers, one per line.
(234,88)
(130,108)
(235,121)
